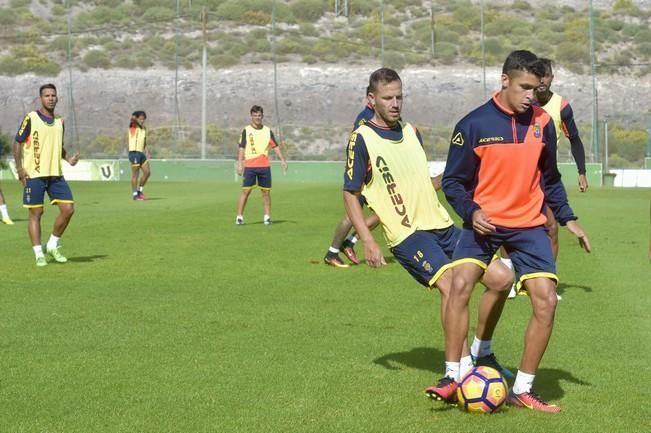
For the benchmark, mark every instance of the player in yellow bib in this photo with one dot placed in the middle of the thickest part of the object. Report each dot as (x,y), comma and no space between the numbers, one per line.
(138,154)
(388,166)
(38,152)
(253,163)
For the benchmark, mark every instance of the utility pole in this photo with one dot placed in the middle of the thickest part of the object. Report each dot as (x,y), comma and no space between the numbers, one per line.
(382,31)
(273,50)
(595,98)
(71,101)
(204,61)
(483,51)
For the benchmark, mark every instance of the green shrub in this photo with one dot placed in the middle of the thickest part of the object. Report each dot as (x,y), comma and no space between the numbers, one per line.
(97,59)
(257,18)
(446,52)
(362,8)
(15,4)
(521,5)
(231,10)
(394,60)
(27,58)
(643,36)
(223,61)
(309,10)
(158,13)
(7,17)
(125,62)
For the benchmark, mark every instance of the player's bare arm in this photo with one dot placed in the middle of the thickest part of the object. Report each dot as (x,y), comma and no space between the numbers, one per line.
(372,251)
(283,161)
(240,159)
(70,159)
(577,231)
(18,159)
(437,182)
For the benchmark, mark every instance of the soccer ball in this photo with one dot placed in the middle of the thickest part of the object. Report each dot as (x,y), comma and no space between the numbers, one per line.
(482,390)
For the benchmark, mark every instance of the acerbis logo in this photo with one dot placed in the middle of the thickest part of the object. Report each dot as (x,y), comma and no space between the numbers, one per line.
(351,155)
(396,198)
(485,140)
(458,139)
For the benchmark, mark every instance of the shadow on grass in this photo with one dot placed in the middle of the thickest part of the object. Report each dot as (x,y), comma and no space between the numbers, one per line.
(87,259)
(274,222)
(421,358)
(152,199)
(548,380)
(564,286)
(16,220)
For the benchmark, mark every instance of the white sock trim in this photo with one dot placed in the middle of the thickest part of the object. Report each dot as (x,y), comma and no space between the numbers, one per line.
(523,382)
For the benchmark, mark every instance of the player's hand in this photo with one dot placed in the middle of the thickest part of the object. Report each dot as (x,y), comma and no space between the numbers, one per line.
(583,183)
(284,164)
(239,169)
(22,176)
(373,254)
(73,160)
(577,231)
(481,223)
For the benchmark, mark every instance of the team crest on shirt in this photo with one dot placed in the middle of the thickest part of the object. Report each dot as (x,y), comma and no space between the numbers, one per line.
(458,139)
(536,130)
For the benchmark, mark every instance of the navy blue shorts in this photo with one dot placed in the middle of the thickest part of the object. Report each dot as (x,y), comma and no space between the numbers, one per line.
(136,158)
(426,254)
(260,176)
(56,187)
(529,249)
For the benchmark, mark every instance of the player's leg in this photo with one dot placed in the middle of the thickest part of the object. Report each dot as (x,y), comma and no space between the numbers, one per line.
(472,255)
(264,182)
(498,280)
(135,172)
(34,230)
(4,213)
(533,258)
(33,196)
(146,172)
(266,203)
(60,193)
(332,255)
(241,204)
(248,180)
(539,330)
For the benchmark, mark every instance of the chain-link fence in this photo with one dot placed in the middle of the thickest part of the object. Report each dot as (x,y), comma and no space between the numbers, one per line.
(196,67)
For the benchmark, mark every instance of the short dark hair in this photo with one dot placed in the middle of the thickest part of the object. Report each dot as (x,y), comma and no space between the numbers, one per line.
(46,86)
(384,75)
(134,116)
(256,109)
(547,64)
(523,61)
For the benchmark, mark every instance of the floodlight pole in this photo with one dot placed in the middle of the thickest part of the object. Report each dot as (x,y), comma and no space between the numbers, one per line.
(177,116)
(432,28)
(273,50)
(71,101)
(382,30)
(595,99)
(483,50)
(204,61)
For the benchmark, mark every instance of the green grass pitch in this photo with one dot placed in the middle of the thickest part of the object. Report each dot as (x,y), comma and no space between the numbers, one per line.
(169,318)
